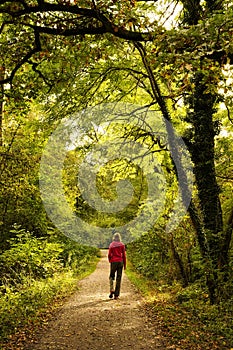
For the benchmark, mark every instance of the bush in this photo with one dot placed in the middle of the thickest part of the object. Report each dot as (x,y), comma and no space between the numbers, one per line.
(36,270)
(19,306)
(31,257)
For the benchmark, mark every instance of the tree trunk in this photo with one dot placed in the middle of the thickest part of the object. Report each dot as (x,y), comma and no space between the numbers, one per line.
(179,263)
(204,167)
(2,75)
(201,106)
(202,152)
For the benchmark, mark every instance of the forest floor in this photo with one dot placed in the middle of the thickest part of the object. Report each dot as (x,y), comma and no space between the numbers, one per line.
(89,320)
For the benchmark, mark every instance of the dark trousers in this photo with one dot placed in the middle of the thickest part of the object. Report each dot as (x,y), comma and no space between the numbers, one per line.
(116,269)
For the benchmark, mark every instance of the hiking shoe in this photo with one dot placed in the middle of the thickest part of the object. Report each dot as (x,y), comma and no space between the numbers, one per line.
(111,294)
(116,297)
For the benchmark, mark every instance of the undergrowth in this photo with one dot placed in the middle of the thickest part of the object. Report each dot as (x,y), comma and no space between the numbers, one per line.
(186,318)
(35,273)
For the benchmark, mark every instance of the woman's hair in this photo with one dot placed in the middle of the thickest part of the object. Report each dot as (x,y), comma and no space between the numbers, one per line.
(116,237)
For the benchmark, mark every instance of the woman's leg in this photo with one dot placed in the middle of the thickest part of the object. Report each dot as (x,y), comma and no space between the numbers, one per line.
(118,278)
(113,268)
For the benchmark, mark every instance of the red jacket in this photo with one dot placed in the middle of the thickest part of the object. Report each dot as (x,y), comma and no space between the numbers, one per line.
(116,252)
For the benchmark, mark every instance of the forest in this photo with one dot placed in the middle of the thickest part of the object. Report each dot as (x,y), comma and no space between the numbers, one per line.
(117,116)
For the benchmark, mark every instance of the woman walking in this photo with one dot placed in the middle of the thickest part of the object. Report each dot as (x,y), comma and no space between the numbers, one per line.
(117,259)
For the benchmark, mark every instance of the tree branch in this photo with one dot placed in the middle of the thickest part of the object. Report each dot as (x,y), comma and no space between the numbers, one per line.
(25,59)
(106,27)
(40,74)
(69,32)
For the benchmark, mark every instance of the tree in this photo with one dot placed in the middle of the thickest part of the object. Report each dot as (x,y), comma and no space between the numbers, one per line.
(20,154)
(182,62)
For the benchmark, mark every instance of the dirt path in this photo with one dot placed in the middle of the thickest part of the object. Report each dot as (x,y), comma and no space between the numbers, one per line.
(89,320)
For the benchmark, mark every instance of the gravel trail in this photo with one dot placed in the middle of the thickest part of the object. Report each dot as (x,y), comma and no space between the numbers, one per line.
(89,320)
